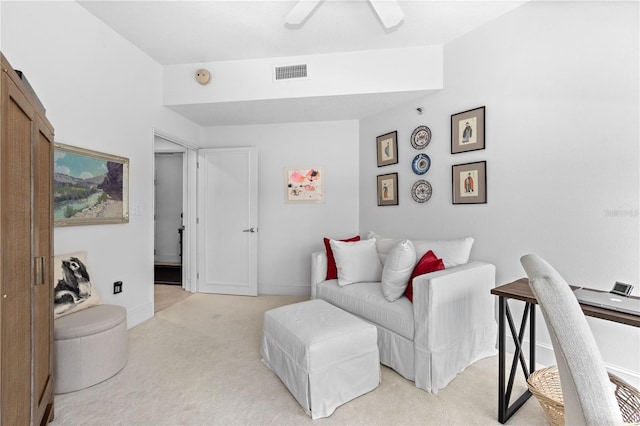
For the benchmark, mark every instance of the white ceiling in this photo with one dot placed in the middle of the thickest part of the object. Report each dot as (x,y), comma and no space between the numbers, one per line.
(182,32)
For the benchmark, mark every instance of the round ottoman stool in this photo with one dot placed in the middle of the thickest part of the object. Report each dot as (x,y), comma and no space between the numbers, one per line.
(90,346)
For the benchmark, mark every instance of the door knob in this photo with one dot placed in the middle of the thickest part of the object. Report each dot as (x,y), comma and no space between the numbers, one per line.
(252,230)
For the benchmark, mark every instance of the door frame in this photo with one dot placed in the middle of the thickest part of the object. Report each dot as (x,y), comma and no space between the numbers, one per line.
(189,206)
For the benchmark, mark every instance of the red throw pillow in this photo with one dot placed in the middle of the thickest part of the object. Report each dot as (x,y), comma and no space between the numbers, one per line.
(427,263)
(332,269)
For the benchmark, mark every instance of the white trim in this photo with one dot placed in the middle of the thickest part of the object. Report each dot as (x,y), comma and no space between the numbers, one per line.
(277,289)
(140,314)
(189,210)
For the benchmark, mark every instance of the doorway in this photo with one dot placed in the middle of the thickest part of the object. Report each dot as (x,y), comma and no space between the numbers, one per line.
(168,214)
(174,220)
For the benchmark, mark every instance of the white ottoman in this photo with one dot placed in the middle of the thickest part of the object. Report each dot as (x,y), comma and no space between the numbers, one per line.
(90,346)
(324,355)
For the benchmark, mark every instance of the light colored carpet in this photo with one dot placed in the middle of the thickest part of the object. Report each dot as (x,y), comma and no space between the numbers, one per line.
(166,295)
(198,363)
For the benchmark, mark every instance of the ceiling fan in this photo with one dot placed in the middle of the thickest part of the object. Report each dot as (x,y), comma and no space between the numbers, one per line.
(388,11)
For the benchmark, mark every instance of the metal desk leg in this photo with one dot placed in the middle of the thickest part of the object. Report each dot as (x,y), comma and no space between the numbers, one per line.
(504,391)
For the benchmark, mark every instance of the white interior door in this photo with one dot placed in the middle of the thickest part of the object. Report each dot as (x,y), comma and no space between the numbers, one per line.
(228,221)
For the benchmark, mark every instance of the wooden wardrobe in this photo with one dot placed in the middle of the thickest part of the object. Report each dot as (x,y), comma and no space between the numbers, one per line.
(26,254)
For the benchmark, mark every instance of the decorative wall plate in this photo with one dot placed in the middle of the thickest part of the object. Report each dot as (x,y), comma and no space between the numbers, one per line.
(421,164)
(421,191)
(420,137)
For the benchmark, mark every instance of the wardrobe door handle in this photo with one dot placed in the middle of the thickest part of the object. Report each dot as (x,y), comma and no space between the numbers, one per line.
(39,270)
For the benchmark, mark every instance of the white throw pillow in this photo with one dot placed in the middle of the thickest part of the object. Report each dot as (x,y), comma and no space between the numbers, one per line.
(397,270)
(72,288)
(384,245)
(452,252)
(356,261)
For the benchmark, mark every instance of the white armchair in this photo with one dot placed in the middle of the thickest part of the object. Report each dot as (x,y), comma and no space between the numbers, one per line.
(450,324)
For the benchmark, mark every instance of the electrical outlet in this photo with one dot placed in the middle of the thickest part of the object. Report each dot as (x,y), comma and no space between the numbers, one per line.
(117,287)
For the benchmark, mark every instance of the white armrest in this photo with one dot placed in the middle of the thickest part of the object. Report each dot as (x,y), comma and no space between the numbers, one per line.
(319,265)
(449,304)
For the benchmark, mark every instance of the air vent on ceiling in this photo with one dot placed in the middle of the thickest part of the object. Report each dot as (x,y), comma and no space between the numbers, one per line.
(289,72)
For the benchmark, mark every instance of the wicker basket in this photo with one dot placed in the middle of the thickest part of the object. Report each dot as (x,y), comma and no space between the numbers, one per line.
(545,385)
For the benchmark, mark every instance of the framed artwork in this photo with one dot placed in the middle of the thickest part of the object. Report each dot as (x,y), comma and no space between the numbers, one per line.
(467,131)
(387,147)
(470,183)
(388,189)
(89,187)
(304,185)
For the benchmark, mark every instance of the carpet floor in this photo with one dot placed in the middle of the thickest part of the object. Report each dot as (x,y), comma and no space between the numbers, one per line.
(197,362)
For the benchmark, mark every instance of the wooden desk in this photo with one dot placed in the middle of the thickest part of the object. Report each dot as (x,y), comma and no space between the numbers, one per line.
(520,290)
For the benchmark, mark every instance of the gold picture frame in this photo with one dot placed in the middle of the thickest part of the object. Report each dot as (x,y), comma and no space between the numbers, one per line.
(89,187)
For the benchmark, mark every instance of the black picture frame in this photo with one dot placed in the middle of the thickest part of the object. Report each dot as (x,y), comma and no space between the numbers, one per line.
(387,189)
(468,130)
(469,183)
(387,149)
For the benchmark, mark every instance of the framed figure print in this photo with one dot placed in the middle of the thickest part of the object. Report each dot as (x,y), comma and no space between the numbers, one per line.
(467,131)
(469,183)
(388,189)
(387,147)
(89,187)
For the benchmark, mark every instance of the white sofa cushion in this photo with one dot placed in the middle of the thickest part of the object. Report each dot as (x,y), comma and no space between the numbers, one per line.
(452,252)
(356,261)
(366,301)
(397,270)
(383,245)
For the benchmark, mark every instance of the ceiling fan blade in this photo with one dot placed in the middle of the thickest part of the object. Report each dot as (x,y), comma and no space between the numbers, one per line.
(301,11)
(388,11)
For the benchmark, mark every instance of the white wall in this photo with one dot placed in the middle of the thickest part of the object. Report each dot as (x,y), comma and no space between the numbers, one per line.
(168,205)
(560,85)
(288,233)
(104,94)
(386,70)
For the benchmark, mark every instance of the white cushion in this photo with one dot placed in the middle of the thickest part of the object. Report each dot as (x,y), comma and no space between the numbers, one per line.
(452,252)
(384,245)
(356,261)
(72,288)
(397,270)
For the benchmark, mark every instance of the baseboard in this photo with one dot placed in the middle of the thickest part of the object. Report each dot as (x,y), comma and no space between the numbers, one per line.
(284,289)
(546,357)
(139,315)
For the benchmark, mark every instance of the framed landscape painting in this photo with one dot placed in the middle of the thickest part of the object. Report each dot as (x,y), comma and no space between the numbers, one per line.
(89,187)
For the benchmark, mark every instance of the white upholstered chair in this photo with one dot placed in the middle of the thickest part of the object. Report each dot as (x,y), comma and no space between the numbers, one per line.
(588,394)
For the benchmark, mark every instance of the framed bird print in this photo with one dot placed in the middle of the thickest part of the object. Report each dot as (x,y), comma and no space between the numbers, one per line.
(387,146)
